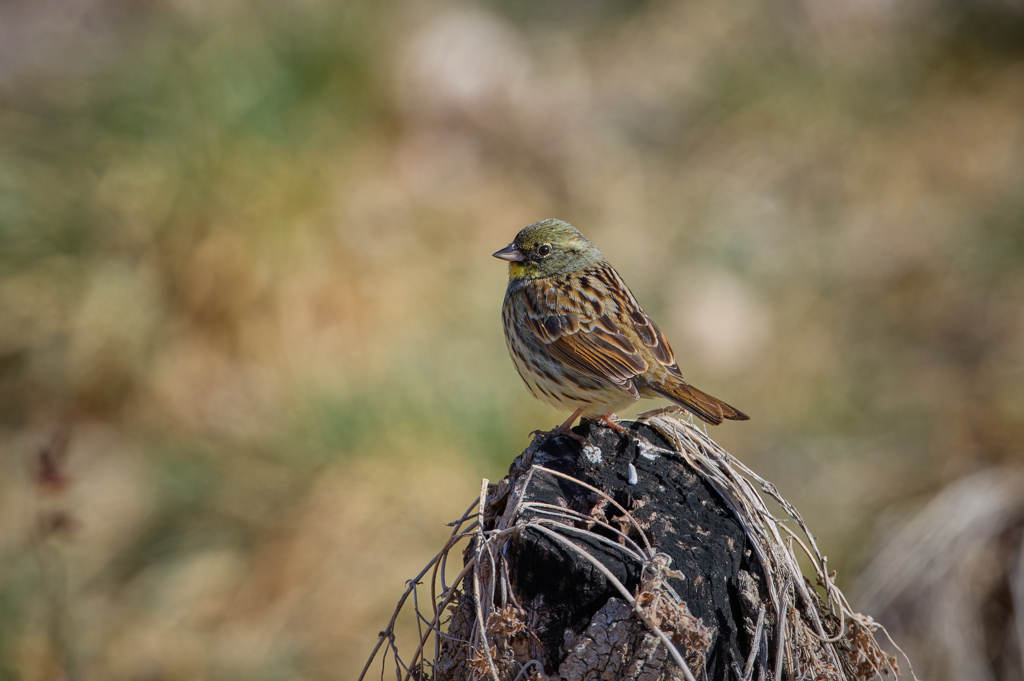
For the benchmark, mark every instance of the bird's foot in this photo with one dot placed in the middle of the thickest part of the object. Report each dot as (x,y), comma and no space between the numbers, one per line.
(561,430)
(609,420)
(564,429)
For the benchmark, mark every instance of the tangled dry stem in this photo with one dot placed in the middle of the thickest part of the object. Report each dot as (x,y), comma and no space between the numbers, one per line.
(499,646)
(822,656)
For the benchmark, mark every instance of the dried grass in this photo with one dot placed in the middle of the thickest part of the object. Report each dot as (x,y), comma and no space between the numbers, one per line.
(950,579)
(820,638)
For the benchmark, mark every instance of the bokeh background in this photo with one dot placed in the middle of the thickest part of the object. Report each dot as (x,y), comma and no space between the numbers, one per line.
(250,348)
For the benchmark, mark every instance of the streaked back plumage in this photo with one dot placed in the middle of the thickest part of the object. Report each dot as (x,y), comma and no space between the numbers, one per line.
(578,337)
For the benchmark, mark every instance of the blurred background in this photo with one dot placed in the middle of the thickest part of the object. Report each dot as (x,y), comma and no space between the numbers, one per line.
(251,357)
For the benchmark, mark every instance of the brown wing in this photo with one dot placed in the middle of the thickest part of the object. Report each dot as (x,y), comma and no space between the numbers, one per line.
(577,323)
(709,408)
(646,330)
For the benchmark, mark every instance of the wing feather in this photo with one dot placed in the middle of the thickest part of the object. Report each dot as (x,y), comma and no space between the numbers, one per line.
(591,323)
(646,330)
(582,334)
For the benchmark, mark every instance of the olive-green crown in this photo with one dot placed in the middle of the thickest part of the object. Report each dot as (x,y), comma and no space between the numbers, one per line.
(552,247)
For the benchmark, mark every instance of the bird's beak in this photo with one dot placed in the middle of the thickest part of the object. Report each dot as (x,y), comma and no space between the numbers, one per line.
(510,253)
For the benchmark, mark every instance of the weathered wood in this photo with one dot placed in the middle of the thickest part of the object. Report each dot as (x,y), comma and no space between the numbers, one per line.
(571,618)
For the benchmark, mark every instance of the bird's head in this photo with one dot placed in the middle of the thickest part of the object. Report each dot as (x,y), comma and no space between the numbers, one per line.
(547,248)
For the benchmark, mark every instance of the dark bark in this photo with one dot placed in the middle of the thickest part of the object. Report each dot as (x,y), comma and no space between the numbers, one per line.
(578,624)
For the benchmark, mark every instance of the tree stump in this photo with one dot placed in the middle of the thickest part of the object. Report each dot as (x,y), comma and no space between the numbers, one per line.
(644,555)
(575,621)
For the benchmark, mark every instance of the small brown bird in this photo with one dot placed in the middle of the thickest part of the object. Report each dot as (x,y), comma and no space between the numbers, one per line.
(579,339)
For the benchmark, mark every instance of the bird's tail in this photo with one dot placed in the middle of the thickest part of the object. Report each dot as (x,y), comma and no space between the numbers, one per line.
(710,409)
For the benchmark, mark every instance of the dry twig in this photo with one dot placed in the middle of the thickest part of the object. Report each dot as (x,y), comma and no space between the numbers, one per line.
(499,640)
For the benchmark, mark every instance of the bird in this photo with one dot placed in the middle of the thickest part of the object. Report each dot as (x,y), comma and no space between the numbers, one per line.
(580,340)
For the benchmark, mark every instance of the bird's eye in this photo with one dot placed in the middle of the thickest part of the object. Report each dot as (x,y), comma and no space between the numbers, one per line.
(544,250)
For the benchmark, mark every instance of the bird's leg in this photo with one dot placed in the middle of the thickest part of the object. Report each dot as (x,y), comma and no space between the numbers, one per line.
(609,421)
(565,429)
